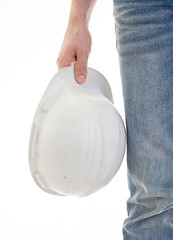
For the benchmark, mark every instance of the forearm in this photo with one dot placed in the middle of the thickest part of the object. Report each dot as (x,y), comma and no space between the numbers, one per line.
(81,11)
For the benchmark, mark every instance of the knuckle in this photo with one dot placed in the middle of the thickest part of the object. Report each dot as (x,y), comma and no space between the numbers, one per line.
(84,50)
(82,60)
(83,53)
(81,66)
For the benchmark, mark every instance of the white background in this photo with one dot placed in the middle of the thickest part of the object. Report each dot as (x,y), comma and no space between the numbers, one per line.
(31,36)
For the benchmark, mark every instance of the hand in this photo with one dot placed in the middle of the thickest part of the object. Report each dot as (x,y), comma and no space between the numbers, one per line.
(75,50)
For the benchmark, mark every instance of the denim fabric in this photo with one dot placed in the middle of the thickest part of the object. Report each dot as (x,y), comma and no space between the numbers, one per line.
(144,40)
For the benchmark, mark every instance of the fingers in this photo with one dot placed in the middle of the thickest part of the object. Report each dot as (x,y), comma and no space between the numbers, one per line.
(75,52)
(80,70)
(63,62)
(79,60)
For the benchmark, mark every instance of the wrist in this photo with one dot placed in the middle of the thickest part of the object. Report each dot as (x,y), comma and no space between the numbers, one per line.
(78,19)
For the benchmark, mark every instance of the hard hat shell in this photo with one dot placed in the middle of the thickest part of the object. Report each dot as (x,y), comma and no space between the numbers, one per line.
(78,138)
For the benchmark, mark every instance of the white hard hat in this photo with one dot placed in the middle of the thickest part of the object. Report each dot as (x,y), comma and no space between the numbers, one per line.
(78,138)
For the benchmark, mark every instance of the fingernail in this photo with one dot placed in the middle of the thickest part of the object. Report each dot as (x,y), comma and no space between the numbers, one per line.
(81,78)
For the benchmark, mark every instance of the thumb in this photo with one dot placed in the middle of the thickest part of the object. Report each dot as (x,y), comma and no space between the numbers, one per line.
(80,70)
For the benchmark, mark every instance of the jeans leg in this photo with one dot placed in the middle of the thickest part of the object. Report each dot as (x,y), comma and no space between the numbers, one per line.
(144,38)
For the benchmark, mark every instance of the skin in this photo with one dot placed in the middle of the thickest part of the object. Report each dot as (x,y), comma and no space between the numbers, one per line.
(77,41)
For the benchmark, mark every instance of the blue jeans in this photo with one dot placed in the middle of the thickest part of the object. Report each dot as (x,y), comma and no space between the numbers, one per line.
(144,41)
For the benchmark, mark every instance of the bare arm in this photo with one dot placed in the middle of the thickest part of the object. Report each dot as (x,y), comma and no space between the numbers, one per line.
(76,45)
(81,10)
